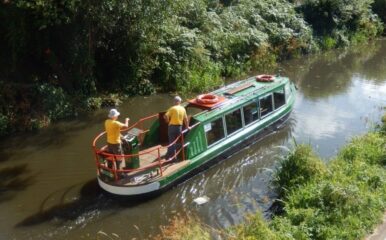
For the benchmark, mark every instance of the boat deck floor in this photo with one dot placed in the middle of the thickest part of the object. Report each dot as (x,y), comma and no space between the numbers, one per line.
(150,155)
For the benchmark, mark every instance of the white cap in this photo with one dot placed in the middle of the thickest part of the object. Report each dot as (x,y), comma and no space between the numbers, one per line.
(114,113)
(177,99)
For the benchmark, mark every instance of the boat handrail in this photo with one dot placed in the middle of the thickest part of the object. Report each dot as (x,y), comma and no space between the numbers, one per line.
(138,123)
(158,162)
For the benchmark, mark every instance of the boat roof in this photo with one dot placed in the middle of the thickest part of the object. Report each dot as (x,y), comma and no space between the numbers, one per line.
(235,95)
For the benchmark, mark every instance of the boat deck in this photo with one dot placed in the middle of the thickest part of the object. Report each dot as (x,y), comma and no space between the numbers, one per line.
(150,155)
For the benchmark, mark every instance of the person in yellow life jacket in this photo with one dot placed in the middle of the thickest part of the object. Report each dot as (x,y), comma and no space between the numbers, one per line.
(175,116)
(113,127)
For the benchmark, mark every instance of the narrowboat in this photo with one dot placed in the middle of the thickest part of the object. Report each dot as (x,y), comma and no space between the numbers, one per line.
(220,122)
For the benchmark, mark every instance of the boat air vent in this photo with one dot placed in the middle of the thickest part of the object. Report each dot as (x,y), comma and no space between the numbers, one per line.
(239,88)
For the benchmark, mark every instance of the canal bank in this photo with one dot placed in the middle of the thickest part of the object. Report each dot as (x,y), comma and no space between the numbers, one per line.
(341,199)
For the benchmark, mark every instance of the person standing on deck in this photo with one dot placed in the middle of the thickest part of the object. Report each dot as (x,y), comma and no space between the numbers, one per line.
(113,127)
(175,116)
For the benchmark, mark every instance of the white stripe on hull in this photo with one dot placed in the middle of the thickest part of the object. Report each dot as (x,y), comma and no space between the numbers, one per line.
(129,190)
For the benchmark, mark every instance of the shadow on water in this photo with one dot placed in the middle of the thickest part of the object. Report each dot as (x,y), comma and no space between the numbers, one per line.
(4,156)
(13,180)
(91,199)
(55,136)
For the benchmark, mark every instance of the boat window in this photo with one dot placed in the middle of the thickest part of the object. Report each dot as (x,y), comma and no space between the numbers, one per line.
(266,105)
(279,98)
(233,121)
(214,131)
(251,113)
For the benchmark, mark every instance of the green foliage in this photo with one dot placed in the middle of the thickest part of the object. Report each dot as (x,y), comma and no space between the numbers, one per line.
(383,125)
(369,149)
(379,7)
(201,79)
(254,228)
(4,125)
(342,20)
(55,102)
(90,48)
(328,43)
(144,87)
(297,169)
(93,103)
(184,228)
(344,199)
(346,202)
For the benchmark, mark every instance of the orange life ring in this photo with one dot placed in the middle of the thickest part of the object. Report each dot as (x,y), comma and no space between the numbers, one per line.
(207,99)
(265,78)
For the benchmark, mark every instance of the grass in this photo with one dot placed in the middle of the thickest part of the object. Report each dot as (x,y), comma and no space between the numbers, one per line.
(342,199)
(184,228)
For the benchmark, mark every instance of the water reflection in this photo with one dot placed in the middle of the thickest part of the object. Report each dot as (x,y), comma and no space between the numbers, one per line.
(331,73)
(14,179)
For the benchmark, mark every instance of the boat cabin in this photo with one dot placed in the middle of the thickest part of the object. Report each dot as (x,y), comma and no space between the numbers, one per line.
(218,121)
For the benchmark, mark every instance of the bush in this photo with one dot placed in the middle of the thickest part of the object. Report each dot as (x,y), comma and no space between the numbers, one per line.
(254,228)
(55,102)
(184,228)
(144,87)
(328,42)
(297,169)
(369,149)
(379,7)
(342,20)
(347,201)
(4,125)
(383,125)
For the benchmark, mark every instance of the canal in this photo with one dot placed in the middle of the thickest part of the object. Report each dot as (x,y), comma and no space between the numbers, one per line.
(49,191)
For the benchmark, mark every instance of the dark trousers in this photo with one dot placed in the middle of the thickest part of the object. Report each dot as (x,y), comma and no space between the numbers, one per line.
(174,131)
(116,149)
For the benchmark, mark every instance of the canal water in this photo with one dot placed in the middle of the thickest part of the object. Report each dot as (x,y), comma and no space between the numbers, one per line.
(48,188)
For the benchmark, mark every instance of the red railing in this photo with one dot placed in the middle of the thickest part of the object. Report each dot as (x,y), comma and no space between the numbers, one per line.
(107,161)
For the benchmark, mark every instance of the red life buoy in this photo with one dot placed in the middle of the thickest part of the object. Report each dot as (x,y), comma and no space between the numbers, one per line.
(207,99)
(265,78)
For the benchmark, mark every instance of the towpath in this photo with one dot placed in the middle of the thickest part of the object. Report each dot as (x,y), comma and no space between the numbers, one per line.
(380,231)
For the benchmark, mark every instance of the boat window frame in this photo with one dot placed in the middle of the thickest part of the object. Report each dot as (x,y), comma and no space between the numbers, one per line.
(273,109)
(273,97)
(255,100)
(223,128)
(242,121)
(287,91)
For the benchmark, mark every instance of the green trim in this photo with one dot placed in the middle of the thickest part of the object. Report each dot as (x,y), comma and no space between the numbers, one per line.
(197,137)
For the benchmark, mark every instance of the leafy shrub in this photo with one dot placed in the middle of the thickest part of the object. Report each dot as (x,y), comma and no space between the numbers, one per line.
(111,100)
(383,125)
(344,199)
(184,228)
(297,169)
(369,148)
(144,87)
(201,79)
(55,102)
(328,42)
(347,201)
(336,18)
(36,124)
(254,228)
(379,7)
(93,103)
(4,125)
